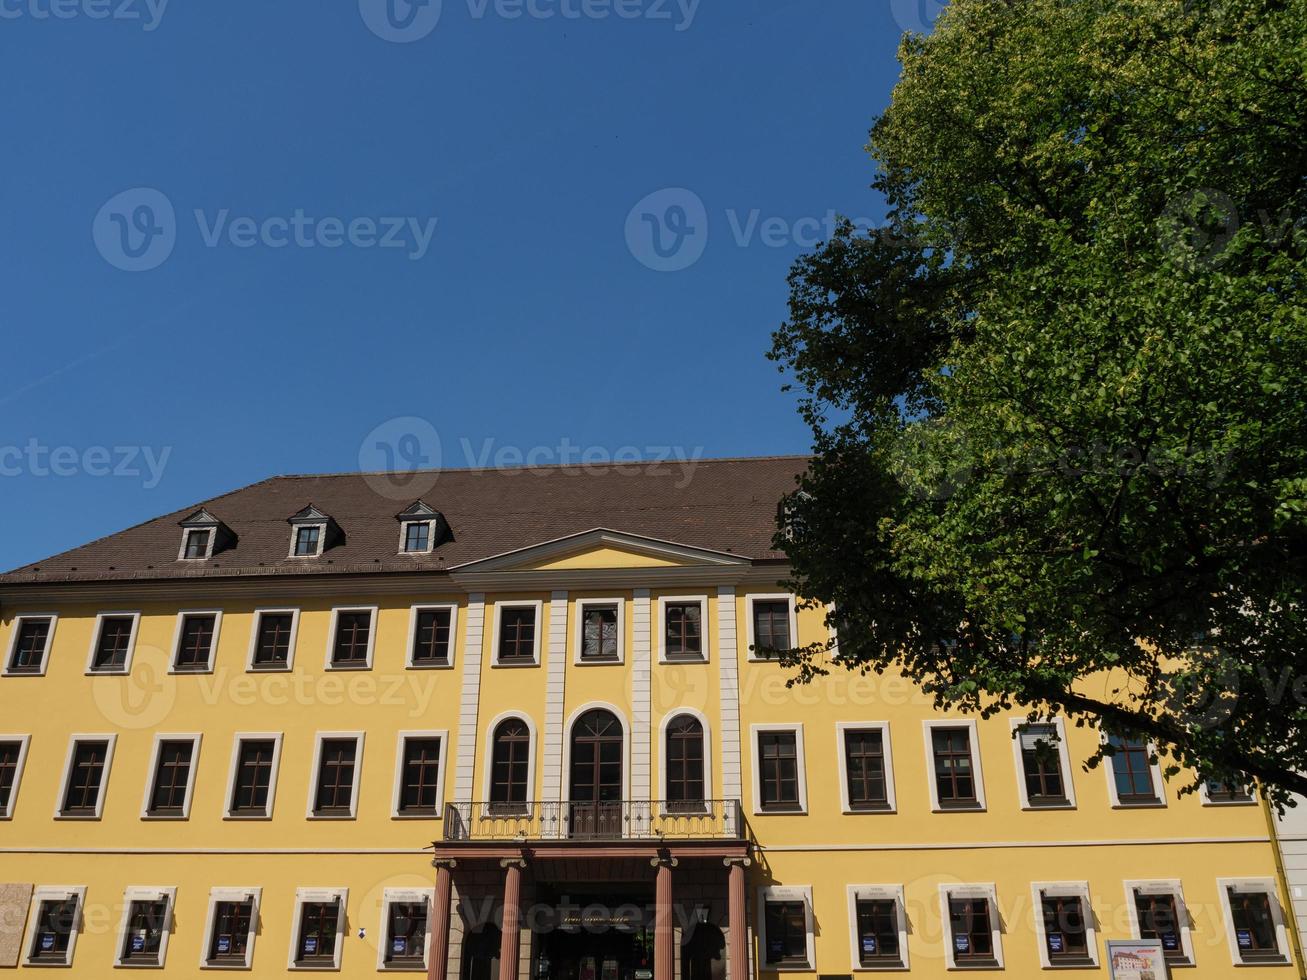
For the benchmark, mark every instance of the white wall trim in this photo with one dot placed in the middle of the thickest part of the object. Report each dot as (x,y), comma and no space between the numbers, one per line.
(182,616)
(579,638)
(315,774)
(400,739)
(237,740)
(1064,760)
(304,896)
(469,696)
(152,774)
(555,686)
(328,663)
(54,893)
(532,750)
(705,640)
(230,894)
(502,604)
(785,893)
(24,743)
(887,753)
(1154,768)
(1161,886)
(984,890)
(146,893)
(801,766)
(702,719)
(728,681)
(892,893)
(1064,889)
(256,622)
(1267,887)
(15,630)
(1206,797)
(928,729)
(74,740)
(567,745)
(749,625)
(126,668)
(295,533)
(430,522)
(413,612)
(389,897)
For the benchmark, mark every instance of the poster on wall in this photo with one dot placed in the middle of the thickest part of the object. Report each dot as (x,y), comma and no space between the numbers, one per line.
(1139,959)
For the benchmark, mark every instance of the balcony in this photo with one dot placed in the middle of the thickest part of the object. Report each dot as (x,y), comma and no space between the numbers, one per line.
(626,820)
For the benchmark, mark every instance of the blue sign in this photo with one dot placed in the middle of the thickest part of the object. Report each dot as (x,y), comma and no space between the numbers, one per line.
(310,945)
(869,945)
(47,941)
(399,945)
(1245,937)
(1170,941)
(224,944)
(1055,944)
(138,944)
(962,943)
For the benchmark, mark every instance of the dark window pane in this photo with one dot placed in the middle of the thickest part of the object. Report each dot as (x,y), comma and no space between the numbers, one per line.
(955,781)
(316,943)
(1132,771)
(335,777)
(55,922)
(517,626)
(510,763)
(786,933)
(878,931)
(684,630)
(771,627)
(350,648)
(1042,765)
(306,540)
(599,633)
(29,648)
(253,777)
(145,926)
(1254,926)
(406,933)
(83,790)
(8,772)
(197,543)
(969,930)
(171,778)
(864,761)
(1220,791)
(112,644)
(1064,929)
(421,776)
(431,637)
(231,932)
(196,642)
(685,761)
(778,763)
(272,648)
(417,536)
(1159,919)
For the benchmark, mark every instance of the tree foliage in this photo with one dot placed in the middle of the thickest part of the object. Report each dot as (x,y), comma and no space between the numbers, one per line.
(1058,400)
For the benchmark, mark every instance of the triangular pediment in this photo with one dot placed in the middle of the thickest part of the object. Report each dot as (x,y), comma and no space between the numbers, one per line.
(417,511)
(201,518)
(604,548)
(309,515)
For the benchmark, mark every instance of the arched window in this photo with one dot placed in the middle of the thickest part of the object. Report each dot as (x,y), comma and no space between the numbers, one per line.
(510,764)
(685,762)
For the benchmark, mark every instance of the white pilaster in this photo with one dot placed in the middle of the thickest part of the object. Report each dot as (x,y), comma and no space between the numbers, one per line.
(469,697)
(555,679)
(728,672)
(640,695)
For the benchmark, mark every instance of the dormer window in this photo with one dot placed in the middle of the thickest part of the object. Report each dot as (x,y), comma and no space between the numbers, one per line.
(202,535)
(421,529)
(308,541)
(312,532)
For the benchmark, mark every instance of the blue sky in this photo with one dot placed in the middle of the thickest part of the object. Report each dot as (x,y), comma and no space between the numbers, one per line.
(249,238)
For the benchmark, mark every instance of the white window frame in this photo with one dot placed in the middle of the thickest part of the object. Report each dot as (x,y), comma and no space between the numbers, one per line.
(1064,760)
(73,741)
(413,612)
(928,730)
(295,533)
(570,724)
(797,728)
(877,893)
(389,897)
(177,639)
(15,630)
(487,774)
(236,741)
(374,617)
(400,741)
(1154,768)
(1064,889)
(705,633)
(984,890)
(500,605)
(887,752)
(579,637)
(315,774)
(702,719)
(195,738)
(230,894)
(146,893)
(211,530)
(53,893)
(24,742)
(430,522)
(1205,797)
(1268,887)
(256,621)
(1161,886)
(306,895)
(749,626)
(126,668)
(785,893)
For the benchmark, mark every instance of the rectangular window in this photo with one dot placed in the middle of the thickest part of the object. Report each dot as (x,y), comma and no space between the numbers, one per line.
(778,771)
(517,634)
(1256,932)
(334,795)
(419,792)
(1132,772)
(970,932)
(864,769)
(113,643)
(319,934)
(771,627)
(229,940)
(1220,791)
(147,923)
(1065,936)
(307,540)
(172,778)
(87,765)
(272,641)
(12,753)
(31,641)
(955,777)
(195,642)
(251,794)
(406,934)
(197,544)
(599,625)
(878,932)
(352,644)
(683,630)
(1041,766)
(1158,916)
(54,931)
(417,536)
(786,933)
(432,628)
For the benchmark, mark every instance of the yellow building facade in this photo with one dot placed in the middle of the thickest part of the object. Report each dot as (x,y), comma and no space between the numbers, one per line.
(531,726)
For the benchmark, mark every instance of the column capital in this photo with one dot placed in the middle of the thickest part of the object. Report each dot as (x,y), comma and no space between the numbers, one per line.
(737,862)
(664,862)
(512,862)
(448,864)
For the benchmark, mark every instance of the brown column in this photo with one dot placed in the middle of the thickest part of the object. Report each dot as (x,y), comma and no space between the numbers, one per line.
(510,943)
(664,920)
(438,968)
(737,957)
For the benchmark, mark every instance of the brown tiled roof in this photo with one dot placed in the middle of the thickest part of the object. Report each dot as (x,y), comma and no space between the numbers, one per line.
(724,505)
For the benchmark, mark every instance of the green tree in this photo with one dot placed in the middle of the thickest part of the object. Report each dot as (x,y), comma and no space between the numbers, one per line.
(1058,400)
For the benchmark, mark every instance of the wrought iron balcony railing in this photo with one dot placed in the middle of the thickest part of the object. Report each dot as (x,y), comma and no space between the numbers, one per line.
(616,820)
